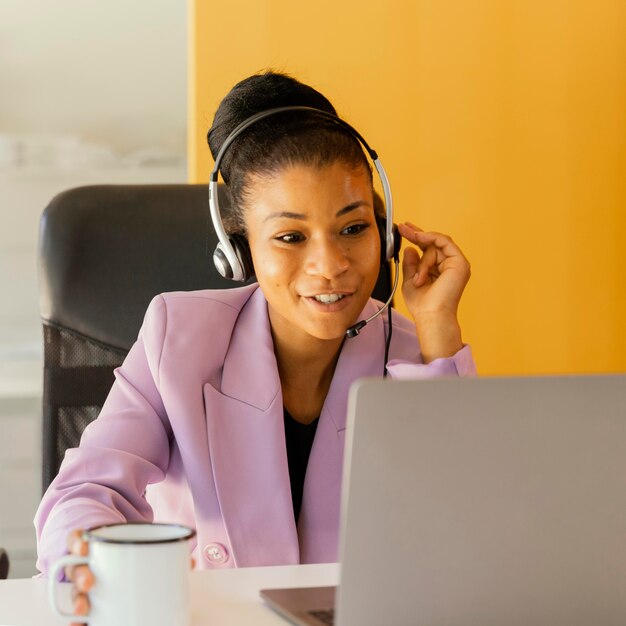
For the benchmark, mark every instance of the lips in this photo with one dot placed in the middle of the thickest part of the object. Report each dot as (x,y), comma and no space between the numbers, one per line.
(329,298)
(330,301)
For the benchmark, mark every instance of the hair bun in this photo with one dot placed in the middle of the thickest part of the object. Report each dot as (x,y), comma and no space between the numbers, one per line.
(260,92)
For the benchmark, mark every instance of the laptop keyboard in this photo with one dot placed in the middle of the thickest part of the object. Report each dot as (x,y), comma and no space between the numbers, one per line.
(325,617)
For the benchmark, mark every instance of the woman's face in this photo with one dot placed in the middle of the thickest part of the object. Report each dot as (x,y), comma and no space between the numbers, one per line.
(315,247)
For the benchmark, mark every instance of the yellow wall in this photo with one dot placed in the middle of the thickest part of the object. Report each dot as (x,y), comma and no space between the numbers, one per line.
(500,122)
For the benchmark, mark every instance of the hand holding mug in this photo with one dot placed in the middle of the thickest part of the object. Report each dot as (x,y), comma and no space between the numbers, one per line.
(134,573)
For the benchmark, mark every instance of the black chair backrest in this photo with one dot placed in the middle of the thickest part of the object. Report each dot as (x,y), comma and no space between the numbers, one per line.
(104,252)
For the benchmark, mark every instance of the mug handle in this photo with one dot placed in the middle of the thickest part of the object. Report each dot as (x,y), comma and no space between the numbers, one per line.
(53,583)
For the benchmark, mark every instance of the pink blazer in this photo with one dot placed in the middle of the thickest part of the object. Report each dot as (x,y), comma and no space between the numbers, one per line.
(192,432)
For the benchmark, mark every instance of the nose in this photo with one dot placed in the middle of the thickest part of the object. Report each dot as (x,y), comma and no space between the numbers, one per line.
(326,257)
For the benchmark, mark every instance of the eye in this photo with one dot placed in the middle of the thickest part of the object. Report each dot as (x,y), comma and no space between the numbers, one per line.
(291,238)
(354,229)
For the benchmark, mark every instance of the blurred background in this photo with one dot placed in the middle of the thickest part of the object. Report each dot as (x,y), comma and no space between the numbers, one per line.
(90,92)
(501,122)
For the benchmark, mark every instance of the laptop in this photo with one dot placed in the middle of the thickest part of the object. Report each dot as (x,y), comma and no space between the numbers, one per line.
(477,502)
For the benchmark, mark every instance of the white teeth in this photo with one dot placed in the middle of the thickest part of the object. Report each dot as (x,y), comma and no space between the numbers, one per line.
(329,298)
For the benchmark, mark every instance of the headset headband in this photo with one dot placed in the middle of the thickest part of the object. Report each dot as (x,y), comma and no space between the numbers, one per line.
(226,260)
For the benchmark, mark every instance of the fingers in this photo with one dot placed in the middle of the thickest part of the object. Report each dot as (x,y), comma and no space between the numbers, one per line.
(75,543)
(83,578)
(77,547)
(83,581)
(440,254)
(81,604)
(421,269)
(80,575)
(423,240)
(428,267)
(410,263)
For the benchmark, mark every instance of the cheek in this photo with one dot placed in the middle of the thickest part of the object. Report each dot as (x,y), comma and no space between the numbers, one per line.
(272,267)
(373,253)
(373,267)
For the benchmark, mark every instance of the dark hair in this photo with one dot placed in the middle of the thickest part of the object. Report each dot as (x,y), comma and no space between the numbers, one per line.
(278,141)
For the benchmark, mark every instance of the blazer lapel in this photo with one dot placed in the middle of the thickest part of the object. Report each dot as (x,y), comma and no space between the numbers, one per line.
(318,526)
(246,436)
(247,445)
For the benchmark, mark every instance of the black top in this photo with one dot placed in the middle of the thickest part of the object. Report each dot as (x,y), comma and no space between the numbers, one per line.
(299,439)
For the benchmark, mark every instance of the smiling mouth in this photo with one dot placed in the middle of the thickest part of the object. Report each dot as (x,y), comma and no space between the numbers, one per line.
(329,298)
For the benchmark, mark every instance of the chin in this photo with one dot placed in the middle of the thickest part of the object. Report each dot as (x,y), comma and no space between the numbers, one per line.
(330,333)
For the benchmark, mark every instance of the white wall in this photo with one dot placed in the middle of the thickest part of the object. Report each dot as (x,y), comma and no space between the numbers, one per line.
(114,71)
(90,92)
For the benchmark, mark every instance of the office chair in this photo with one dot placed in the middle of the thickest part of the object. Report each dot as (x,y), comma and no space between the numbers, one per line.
(104,252)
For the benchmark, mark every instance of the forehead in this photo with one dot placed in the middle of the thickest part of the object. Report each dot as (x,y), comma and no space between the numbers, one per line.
(305,189)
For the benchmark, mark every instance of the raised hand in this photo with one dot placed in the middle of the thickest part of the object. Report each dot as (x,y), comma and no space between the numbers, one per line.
(433,284)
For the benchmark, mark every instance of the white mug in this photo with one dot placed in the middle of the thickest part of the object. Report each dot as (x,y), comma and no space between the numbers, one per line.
(141,572)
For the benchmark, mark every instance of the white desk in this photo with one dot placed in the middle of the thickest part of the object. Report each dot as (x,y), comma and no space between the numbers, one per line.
(228,597)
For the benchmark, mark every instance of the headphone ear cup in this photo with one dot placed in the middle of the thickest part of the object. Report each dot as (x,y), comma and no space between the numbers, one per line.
(242,250)
(381,223)
(397,242)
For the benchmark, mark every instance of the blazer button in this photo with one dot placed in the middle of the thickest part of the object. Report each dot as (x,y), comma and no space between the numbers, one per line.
(215,553)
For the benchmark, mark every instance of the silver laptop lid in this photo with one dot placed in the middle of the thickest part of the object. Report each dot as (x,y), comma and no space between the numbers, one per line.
(485,501)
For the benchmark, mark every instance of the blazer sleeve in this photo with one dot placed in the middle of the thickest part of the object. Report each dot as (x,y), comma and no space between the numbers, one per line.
(127,447)
(406,362)
(460,364)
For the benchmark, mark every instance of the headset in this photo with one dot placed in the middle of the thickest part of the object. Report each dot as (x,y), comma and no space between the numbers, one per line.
(232,256)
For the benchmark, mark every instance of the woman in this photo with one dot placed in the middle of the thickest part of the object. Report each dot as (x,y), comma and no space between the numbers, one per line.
(194,429)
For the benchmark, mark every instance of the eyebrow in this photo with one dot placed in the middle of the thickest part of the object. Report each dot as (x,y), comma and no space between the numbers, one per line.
(301,216)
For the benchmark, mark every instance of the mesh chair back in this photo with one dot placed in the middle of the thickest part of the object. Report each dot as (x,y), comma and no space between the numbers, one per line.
(104,252)
(78,374)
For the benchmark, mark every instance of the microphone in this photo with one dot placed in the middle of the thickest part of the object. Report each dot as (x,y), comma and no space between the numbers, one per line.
(353,331)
